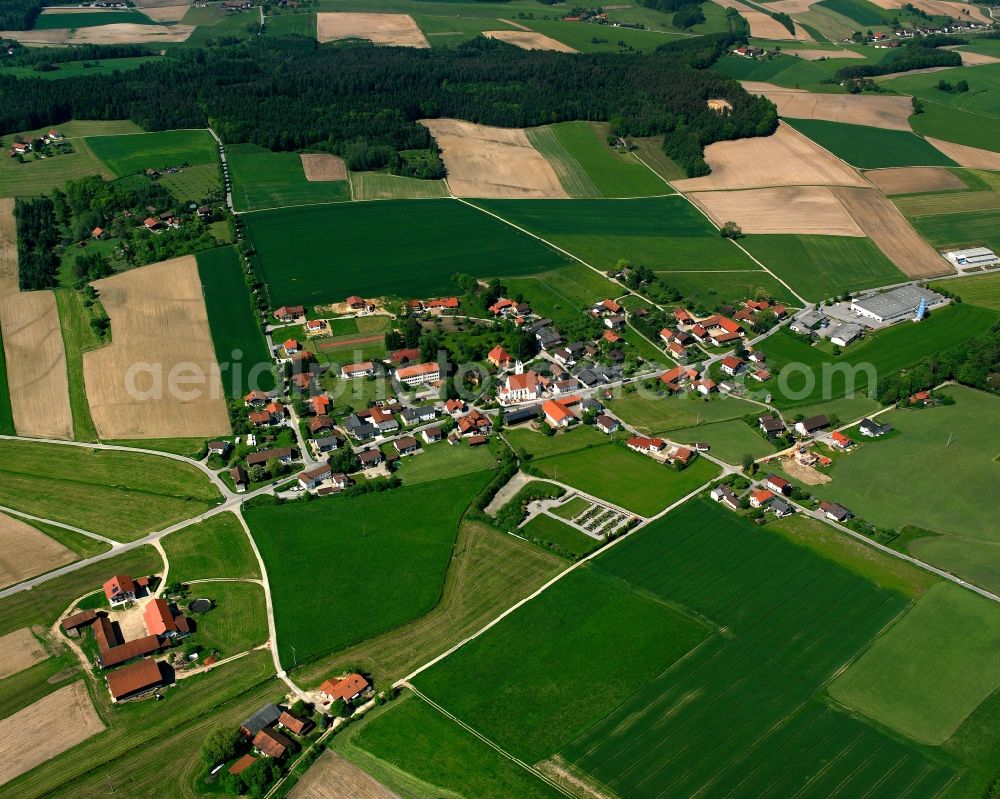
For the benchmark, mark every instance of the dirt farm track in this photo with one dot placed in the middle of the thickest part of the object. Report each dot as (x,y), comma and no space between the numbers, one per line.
(45,729)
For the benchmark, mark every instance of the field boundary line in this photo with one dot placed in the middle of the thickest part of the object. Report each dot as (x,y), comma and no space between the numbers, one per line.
(12,512)
(573,567)
(471,730)
(344,202)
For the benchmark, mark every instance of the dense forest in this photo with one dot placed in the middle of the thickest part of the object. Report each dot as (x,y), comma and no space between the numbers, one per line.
(976,363)
(916,54)
(20,15)
(37,236)
(362,102)
(40,56)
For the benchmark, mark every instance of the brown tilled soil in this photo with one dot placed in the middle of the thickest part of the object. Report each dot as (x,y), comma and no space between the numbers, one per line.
(26,552)
(333,777)
(36,364)
(159,325)
(529,40)
(114,33)
(785,158)
(968,156)
(913,179)
(165,13)
(493,162)
(804,474)
(887,227)
(319,166)
(878,111)
(46,728)
(788,209)
(19,650)
(8,247)
(397,29)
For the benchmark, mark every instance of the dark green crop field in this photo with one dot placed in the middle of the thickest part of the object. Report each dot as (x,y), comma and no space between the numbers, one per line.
(126,155)
(394,247)
(93,19)
(662,233)
(743,715)
(528,682)
(346,569)
(262,179)
(871,148)
(233,324)
(6,414)
(822,375)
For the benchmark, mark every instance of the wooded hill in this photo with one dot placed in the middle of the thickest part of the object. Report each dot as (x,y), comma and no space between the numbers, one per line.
(361,102)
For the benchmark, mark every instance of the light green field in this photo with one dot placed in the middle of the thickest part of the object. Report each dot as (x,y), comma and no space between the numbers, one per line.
(965,471)
(416,751)
(561,294)
(554,533)
(76,69)
(793,72)
(216,547)
(983,96)
(626,478)
(35,177)
(582,37)
(931,669)
(263,179)
(982,290)
(126,155)
(650,150)
(383,186)
(442,461)
(588,167)
(194,183)
(820,266)
(121,495)
(713,289)
(729,440)
(489,572)
(237,623)
(538,445)
(78,337)
(952,124)
(297,24)
(82,545)
(845,408)
(650,414)
(572,508)
(952,231)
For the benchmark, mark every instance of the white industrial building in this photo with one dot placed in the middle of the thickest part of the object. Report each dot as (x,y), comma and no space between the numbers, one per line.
(972,258)
(897,304)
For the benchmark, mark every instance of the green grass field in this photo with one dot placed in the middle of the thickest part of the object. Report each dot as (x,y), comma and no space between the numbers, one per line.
(588,167)
(650,150)
(82,545)
(869,147)
(416,751)
(126,155)
(233,323)
(793,72)
(561,294)
(662,233)
(711,289)
(6,414)
(651,414)
(237,623)
(625,478)
(818,267)
(383,186)
(323,253)
(78,337)
(951,231)
(291,24)
(121,495)
(885,352)
(537,445)
(743,716)
(729,440)
(263,179)
(532,699)
(867,480)
(95,19)
(216,547)
(931,669)
(35,177)
(982,290)
(76,69)
(553,532)
(983,96)
(194,183)
(489,572)
(864,13)
(582,37)
(405,553)
(571,508)
(952,124)
(443,461)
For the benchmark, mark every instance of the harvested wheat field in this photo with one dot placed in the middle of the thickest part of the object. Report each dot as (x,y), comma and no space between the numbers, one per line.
(165,13)
(948,8)
(46,728)
(26,552)
(493,162)
(817,55)
(789,209)
(913,179)
(319,167)
(8,247)
(131,33)
(764,26)
(857,109)
(389,29)
(970,59)
(887,227)
(762,87)
(332,777)
(792,6)
(18,651)
(964,155)
(159,326)
(786,158)
(36,364)
(529,40)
